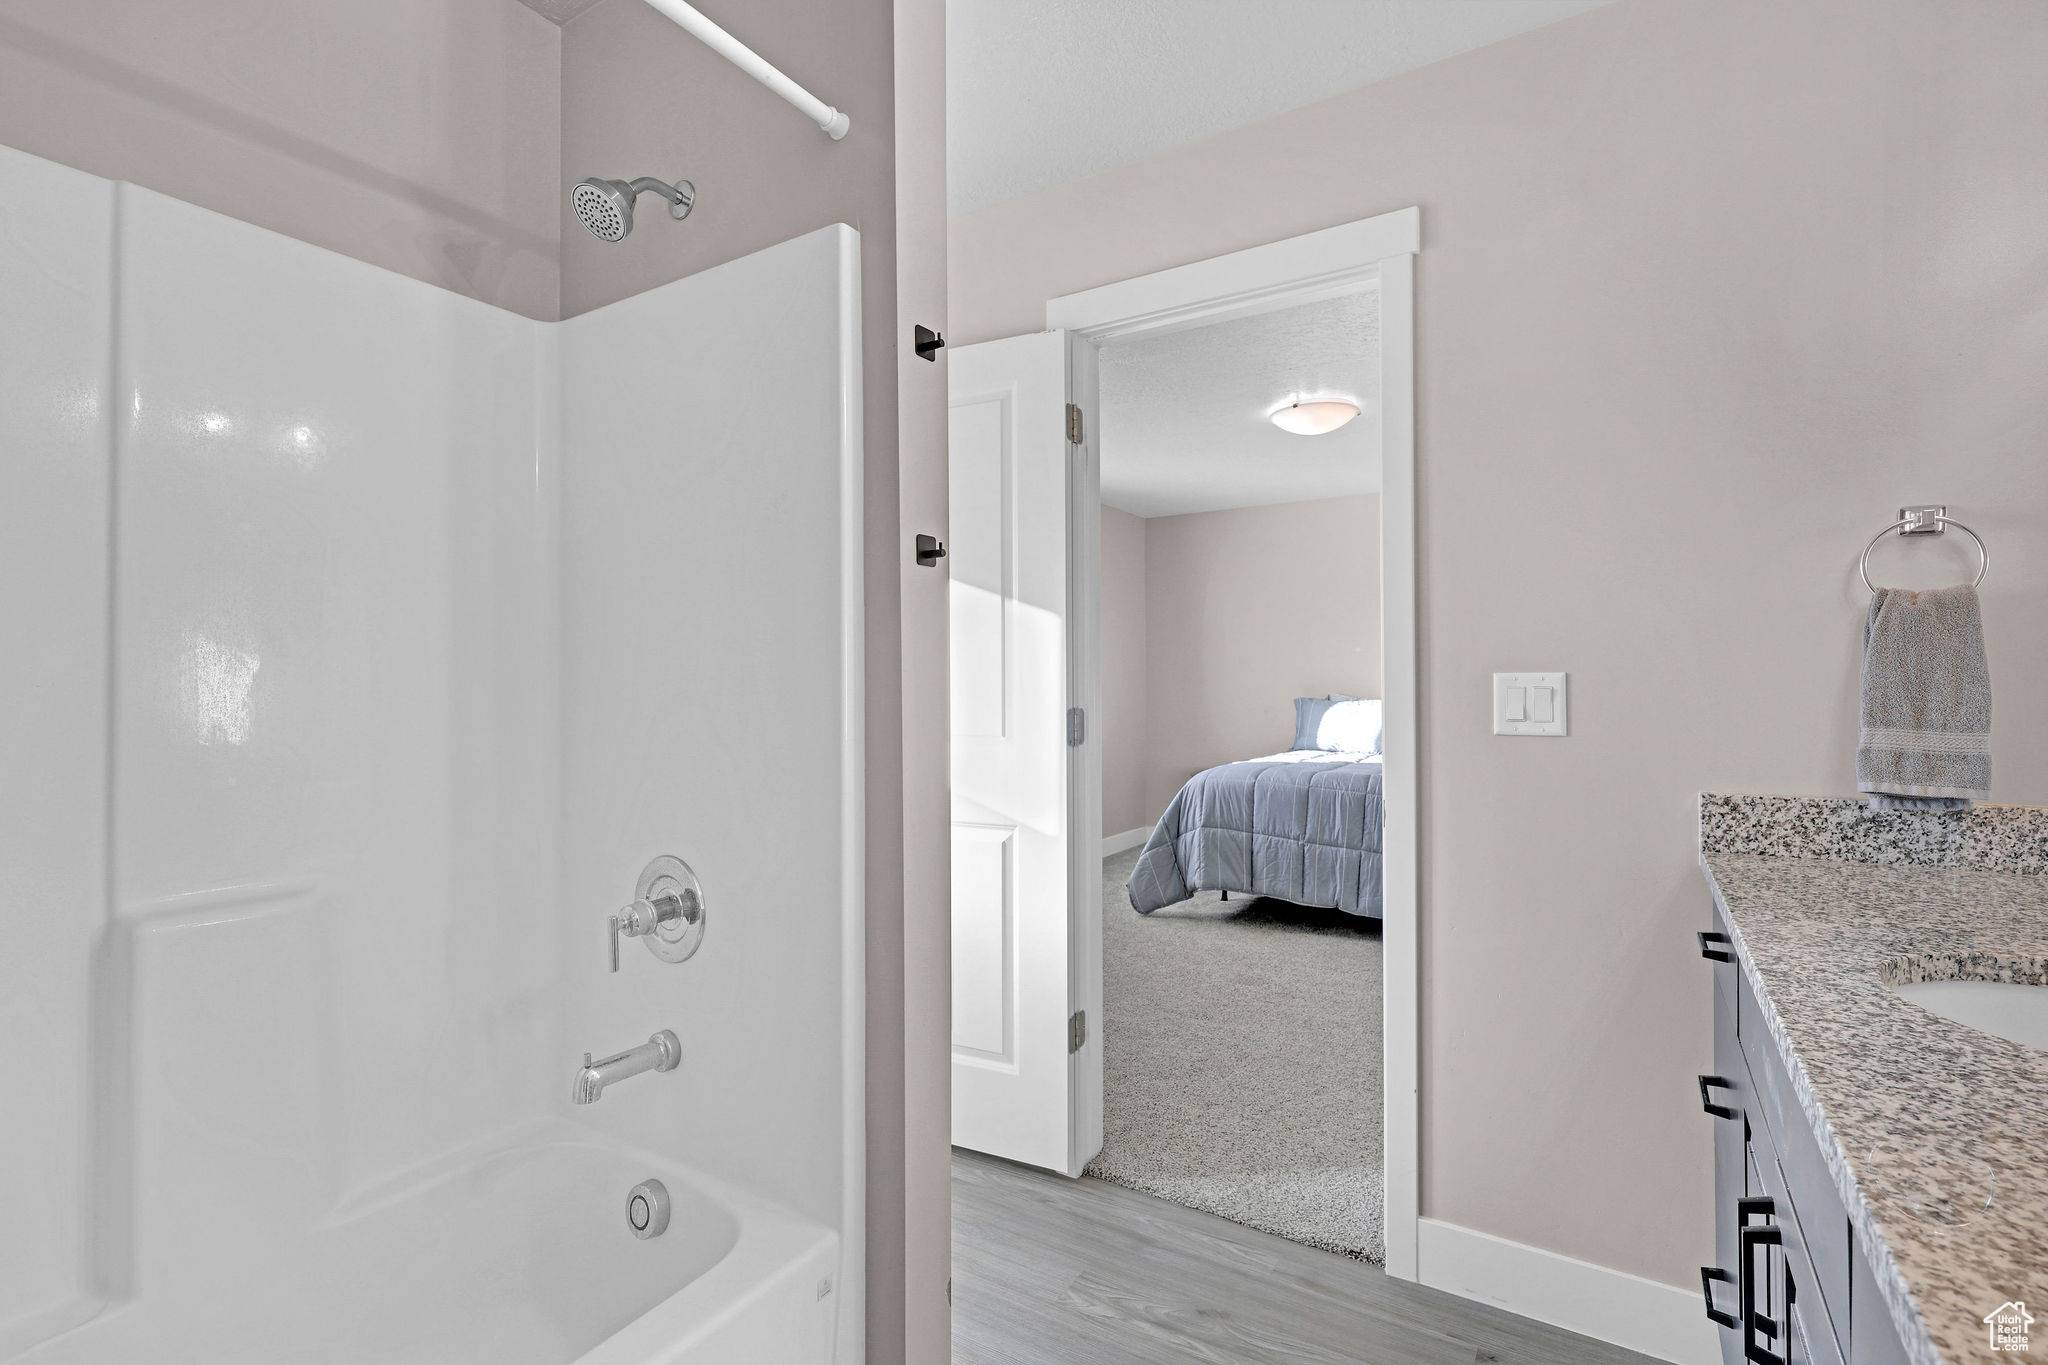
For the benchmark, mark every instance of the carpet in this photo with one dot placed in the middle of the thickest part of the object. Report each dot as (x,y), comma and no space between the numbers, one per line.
(1241,1063)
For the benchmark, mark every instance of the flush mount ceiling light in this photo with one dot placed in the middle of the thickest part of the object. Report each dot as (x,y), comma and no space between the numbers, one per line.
(1313,419)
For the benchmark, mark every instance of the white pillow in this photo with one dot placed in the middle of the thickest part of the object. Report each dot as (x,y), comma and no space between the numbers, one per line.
(1350,727)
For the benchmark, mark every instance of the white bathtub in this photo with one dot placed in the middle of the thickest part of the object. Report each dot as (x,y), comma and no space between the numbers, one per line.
(513,1255)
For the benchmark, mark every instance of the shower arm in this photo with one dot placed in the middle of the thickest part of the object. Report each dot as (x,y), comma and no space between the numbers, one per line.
(746,59)
(647,184)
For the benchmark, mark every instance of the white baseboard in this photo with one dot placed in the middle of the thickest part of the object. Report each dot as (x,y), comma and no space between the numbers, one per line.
(1130,838)
(1644,1315)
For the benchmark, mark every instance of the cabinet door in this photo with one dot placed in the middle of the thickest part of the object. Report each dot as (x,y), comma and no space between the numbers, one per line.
(1731,1175)
(1766,1284)
(1872,1338)
(1790,1325)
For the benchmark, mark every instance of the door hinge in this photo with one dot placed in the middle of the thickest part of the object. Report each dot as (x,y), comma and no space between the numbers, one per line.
(1077,1030)
(1074,427)
(1077,727)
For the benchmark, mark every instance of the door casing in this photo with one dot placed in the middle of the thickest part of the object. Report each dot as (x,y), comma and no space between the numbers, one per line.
(1371,253)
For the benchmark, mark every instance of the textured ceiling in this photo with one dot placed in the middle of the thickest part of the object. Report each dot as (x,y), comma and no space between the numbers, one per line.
(1040,92)
(1185,424)
(561,11)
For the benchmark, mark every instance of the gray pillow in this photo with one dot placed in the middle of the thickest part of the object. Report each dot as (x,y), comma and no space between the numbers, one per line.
(1308,718)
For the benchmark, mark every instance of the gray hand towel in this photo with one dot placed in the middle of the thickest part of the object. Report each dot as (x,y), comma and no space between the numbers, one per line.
(1926,736)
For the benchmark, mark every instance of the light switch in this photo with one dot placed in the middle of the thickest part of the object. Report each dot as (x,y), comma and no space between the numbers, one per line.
(1529,704)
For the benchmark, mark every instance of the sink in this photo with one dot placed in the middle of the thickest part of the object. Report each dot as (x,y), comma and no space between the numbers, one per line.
(2004,1009)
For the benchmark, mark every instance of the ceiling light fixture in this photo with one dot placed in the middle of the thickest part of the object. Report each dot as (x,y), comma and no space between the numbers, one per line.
(1313,419)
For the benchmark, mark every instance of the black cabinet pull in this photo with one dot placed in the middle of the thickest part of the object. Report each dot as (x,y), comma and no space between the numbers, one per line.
(1708,938)
(1710,1275)
(1720,1111)
(1749,1239)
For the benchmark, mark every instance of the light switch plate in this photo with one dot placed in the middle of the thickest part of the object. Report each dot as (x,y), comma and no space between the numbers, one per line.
(1525,685)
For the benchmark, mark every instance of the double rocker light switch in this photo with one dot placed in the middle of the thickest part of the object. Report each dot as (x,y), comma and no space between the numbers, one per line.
(1528,703)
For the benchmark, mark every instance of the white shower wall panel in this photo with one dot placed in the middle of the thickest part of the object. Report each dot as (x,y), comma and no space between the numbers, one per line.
(331,723)
(711,709)
(54,282)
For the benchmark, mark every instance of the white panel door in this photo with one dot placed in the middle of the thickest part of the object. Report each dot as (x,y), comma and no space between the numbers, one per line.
(1012,472)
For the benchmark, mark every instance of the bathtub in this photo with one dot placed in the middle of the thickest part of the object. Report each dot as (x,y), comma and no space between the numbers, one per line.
(516,1254)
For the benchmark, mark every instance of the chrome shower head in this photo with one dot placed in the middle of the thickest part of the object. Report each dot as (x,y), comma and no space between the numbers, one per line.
(606,206)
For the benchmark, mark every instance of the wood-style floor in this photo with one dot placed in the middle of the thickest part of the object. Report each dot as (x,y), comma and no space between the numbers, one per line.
(1050,1271)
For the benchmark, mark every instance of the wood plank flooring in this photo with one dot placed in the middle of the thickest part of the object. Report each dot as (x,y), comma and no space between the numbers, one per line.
(1050,1271)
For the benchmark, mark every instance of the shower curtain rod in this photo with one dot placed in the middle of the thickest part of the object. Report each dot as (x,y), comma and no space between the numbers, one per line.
(746,59)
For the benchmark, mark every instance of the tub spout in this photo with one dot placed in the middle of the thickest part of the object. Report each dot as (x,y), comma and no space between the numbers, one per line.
(662,1052)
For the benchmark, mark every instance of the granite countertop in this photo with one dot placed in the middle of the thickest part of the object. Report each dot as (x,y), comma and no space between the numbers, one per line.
(1936,1134)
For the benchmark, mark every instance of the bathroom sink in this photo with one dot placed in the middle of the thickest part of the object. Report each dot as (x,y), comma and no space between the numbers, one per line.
(2003,1009)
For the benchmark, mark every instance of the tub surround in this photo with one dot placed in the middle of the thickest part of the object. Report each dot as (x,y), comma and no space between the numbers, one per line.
(407,631)
(1932,1132)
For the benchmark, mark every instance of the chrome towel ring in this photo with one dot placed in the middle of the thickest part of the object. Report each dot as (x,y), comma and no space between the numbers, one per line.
(1924,521)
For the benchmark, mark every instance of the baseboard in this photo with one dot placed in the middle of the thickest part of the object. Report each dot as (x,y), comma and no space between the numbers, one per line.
(1130,838)
(1644,1315)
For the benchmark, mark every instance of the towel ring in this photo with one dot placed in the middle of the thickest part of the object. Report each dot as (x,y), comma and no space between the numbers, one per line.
(1919,521)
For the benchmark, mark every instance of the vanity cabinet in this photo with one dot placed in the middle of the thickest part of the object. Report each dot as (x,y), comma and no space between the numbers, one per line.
(1790,1286)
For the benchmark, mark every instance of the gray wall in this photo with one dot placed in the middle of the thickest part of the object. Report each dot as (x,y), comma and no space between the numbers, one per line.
(1708,289)
(1213,622)
(1245,610)
(922,1289)
(1123,672)
(417,135)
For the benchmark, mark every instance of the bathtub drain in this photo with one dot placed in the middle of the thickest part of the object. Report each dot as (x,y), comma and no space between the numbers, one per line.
(647,1209)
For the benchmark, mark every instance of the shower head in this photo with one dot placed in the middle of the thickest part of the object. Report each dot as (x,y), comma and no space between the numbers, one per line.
(606,206)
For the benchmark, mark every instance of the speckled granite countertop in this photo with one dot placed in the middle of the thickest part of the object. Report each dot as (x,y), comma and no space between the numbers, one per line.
(1936,1134)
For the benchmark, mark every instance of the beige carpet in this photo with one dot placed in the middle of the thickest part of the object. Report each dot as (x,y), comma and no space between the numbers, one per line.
(1241,1061)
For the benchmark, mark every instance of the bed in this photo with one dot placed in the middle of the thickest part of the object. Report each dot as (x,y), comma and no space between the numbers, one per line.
(1303,825)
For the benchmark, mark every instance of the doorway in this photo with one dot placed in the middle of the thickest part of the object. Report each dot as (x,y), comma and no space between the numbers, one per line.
(1242,770)
(1029,875)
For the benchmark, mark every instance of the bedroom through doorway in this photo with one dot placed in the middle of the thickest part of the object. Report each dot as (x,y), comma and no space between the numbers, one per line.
(1184,795)
(1241,740)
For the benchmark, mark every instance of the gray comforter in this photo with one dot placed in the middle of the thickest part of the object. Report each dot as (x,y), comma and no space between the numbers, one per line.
(1303,826)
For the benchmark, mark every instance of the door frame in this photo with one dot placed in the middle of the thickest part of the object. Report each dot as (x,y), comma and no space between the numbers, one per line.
(1380,253)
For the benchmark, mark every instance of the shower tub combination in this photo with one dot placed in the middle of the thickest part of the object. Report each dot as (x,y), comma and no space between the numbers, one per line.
(370,642)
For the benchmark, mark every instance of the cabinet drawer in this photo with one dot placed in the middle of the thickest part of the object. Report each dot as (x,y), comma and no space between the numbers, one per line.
(1823,1221)
(1731,1172)
(1749,1025)
(1717,944)
(1809,1338)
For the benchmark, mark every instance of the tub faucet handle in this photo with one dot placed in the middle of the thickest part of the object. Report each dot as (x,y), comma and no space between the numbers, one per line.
(635,920)
(667,911)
